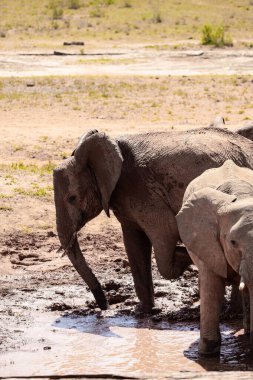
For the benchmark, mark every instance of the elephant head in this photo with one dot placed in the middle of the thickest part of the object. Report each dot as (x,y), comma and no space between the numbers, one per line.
(218,229)
(83,185)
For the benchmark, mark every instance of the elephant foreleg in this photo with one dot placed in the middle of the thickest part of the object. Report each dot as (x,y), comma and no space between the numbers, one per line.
(212,288)
(138,248)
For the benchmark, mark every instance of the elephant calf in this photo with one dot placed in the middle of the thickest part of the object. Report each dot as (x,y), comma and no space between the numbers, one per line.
(216,225)
(141,178)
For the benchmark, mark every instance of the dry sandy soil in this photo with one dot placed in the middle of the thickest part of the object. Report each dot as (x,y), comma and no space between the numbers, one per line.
(41,120)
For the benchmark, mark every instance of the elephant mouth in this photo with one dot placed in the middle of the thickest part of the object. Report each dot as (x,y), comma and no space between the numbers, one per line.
(69,245)
(72,239)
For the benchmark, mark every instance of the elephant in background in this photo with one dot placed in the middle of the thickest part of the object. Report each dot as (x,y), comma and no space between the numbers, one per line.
(142,179)
(246,130)
(216,225)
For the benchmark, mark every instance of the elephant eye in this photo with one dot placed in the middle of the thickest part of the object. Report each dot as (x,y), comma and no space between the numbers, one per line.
(72,199)
(234,243)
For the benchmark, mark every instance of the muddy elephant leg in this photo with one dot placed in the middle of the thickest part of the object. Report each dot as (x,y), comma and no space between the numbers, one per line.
(212,288)
(138,248)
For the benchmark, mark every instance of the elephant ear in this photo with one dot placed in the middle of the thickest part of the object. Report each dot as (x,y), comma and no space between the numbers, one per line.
(102,155)
(199,230)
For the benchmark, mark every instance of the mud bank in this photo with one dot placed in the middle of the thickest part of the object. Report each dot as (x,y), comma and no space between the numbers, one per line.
(50,324)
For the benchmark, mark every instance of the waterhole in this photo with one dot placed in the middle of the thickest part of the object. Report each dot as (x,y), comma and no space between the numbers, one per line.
(77,345)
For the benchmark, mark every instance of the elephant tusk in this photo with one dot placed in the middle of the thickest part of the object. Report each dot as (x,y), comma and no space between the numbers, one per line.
(61,249)
(242,284)
(69,245)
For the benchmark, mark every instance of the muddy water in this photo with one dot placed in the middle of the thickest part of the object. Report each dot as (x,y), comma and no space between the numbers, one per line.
(121,346)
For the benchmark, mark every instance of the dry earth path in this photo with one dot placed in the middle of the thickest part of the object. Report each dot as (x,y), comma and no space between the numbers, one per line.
(127,61)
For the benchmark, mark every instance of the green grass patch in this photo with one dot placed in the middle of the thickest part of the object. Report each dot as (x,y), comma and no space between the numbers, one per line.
(32,168)
(158,47)
(5,196)
(5,208)
(142,20)
(35,191)
(215,35)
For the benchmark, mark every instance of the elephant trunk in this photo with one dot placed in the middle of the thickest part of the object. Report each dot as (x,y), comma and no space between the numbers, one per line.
(72,249)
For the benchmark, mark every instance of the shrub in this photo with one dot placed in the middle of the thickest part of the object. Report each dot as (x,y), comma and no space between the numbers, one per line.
(157,19)
(215,35)
(127,4)
(74,4)
(57,13)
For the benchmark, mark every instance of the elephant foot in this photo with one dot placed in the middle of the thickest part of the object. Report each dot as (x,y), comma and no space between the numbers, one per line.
(144,308)
(100,297)
(209,348)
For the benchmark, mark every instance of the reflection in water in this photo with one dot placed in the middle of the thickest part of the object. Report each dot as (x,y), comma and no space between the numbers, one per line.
(136,347)
(119,346)
(235,352)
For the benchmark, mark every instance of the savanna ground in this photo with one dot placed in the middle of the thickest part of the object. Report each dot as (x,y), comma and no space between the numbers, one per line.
(42,118)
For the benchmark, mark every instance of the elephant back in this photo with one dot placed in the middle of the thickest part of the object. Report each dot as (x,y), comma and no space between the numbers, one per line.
(169,161)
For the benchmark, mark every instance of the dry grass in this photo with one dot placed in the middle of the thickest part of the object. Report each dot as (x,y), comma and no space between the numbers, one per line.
(140,99)
(134,20)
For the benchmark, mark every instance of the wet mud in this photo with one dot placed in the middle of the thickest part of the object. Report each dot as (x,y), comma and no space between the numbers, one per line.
(48,313)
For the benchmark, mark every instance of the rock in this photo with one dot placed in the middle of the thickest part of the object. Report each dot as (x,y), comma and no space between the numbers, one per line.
(77,43)
(60,53)
(51,234)
(161,293)
(194,53)
(111,285)
(57,306)
(114,297)
(125,264)
(30,84)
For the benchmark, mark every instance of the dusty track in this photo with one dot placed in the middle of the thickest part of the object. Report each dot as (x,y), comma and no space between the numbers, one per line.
(127,61)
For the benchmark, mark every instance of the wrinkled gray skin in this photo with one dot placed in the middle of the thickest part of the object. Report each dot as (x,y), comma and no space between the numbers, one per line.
(219,239)
(142,179)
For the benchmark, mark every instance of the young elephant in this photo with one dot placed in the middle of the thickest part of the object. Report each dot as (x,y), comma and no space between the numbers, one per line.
(216,225)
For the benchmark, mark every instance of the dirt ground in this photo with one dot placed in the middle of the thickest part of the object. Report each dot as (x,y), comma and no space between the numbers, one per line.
(37,132)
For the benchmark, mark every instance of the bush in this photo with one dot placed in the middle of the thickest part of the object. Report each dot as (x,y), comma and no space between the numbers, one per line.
(215,35)
(57,13)
(127,4)
(157,19)
(74,4)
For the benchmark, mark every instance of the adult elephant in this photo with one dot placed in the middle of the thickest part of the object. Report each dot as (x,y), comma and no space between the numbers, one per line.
(219,238)
(142,179)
